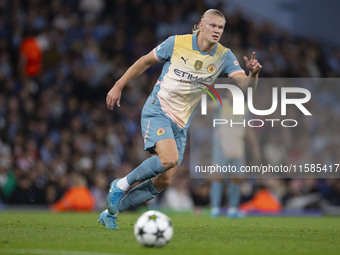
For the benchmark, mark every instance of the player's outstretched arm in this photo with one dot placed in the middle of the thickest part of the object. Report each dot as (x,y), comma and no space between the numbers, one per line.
(251,80)
(134,71)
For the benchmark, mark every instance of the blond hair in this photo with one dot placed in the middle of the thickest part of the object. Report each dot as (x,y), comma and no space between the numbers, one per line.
(214,12)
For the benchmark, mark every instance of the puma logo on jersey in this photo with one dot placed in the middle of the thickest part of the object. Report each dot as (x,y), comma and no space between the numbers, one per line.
(185,60)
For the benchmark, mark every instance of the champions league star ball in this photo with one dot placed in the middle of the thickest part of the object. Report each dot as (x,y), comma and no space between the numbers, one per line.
(153,229)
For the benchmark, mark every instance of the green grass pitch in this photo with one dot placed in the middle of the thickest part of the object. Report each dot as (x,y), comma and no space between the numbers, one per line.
(29,232)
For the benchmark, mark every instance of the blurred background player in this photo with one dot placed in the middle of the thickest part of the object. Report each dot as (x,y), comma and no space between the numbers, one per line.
(229,149)
(166,116)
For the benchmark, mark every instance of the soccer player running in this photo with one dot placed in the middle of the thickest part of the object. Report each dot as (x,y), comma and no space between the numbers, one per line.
(190,60)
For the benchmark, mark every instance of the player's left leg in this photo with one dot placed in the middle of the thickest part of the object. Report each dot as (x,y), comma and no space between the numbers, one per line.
(108,220)
(163,180)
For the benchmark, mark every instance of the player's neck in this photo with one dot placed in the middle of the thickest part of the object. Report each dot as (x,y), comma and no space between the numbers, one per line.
(204,45)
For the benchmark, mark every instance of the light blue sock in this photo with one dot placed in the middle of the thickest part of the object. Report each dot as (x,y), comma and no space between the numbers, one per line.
(138,195)
(148,169)
(234,195)
(216,194)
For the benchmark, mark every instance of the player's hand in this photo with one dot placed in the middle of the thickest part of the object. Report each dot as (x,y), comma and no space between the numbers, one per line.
(113,97)
(252,64)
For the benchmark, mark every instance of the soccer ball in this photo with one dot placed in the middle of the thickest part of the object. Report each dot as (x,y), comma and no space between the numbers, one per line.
(153,229)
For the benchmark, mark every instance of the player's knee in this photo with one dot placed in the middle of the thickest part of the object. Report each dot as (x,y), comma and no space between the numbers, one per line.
(169,162)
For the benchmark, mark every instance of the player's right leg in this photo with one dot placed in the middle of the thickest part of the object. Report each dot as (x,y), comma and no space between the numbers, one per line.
(167,158)
(216,192)
(167,153)
(156,128)
(234,197)
(234,194)
(148,169)
(217,185)
(158,135)
(147,190)
(155,166)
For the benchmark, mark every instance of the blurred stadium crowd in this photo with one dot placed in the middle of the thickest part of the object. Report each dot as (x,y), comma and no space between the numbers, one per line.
(54,122)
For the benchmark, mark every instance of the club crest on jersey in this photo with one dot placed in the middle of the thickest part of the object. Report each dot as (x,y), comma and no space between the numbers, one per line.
(160,131)
(211,68)
(198,65)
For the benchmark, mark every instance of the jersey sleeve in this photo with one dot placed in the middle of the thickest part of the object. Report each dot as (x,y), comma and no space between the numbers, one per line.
(163,52)
(231,65)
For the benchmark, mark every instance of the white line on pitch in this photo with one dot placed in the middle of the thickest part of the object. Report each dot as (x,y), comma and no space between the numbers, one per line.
(53,252)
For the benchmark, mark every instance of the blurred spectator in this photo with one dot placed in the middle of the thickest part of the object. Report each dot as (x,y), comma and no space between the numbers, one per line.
(77,198)
(31,57)
(8,183)
(27,192)
(302,194)
(200,192)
